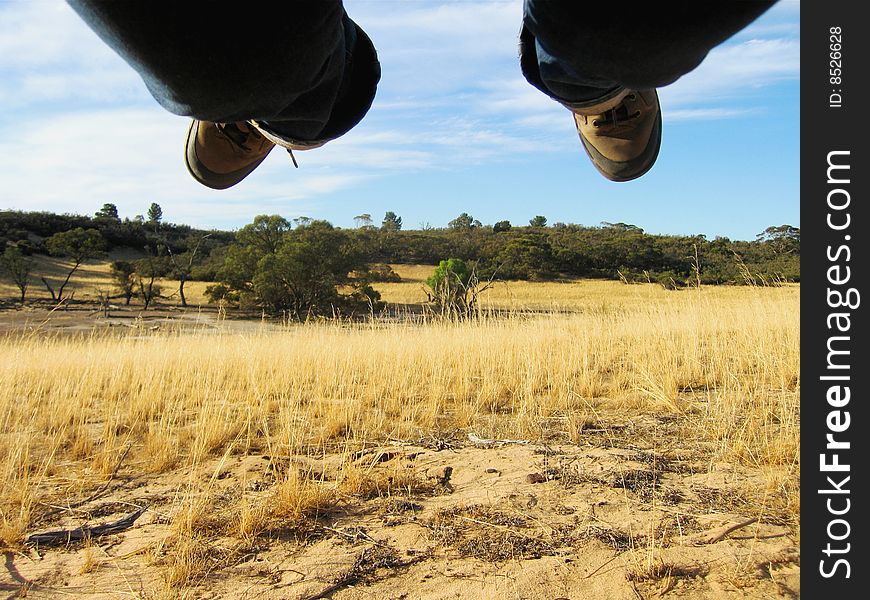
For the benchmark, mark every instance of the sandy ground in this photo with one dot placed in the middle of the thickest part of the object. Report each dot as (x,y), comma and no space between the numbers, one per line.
(624,514)
(87,318)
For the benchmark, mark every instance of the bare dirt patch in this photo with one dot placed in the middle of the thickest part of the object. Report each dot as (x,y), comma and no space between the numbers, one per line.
(602,520)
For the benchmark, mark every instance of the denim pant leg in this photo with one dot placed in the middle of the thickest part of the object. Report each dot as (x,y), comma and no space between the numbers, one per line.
(304,68)
(577,52)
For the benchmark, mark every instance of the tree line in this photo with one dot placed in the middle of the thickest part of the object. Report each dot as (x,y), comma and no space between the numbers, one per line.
(305,265)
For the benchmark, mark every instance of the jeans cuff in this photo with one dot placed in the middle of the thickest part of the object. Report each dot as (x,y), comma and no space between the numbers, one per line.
(575,106)
(363,72)
(531,71)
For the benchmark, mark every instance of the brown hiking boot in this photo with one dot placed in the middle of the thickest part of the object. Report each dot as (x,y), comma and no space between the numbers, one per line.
(622,134)
(219,155)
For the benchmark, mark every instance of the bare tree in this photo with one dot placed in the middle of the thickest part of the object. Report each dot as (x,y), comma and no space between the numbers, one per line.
(147,271)
(182,265)
(79,245)
(17,267)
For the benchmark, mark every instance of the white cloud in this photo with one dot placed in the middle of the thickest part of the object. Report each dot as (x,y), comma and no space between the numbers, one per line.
(48,54)
(428,50)
(131,157)
(36,34)
(736,71)
(705,114)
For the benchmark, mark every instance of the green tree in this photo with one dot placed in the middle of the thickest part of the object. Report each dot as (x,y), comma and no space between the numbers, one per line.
(455,287)
(265,234)
(304,274)
(303,221)
(314,269)
(463,221)
(782,239)
(538,221)
(108,212)
(254,241)
(78,245)
(391,222)
(501,226)
(155,214)
(527,256)
(239,268)
(621,226)
(16,266)
(363,221)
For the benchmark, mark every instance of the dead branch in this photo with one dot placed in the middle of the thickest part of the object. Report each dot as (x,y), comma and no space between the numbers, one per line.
(99,492)
(714,535)
(62,537)
(479,441)
(717,534)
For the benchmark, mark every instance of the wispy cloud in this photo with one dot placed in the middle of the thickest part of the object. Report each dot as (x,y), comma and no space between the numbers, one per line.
(47,54)
(707,114)
(131,157)
(737,70)
(735,73)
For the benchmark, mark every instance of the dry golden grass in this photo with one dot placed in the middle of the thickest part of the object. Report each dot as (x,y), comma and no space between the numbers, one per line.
(598,296)
(726,359)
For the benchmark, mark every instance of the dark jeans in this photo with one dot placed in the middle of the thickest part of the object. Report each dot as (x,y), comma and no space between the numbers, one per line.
(310,73)
(302,66)
(576,54)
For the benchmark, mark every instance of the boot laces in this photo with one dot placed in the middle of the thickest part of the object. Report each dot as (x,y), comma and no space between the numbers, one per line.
(237,135)
(617,114)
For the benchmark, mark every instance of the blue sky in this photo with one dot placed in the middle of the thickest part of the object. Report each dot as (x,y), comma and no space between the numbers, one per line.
(455,128)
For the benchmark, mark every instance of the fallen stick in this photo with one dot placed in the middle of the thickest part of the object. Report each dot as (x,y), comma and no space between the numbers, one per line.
(476,439)
(65,536)
(713,536)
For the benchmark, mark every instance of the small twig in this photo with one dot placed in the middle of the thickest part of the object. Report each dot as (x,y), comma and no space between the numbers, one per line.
(114,472)
(476,439)
(114,562)
(636,591)
(144,548)
(496,526)
(601,566)
(355,536)
(715,535)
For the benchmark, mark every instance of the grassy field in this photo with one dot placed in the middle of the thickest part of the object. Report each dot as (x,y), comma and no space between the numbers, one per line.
(715,370)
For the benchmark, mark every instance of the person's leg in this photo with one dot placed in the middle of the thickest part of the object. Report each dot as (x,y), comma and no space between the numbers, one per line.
(303,72)
(590,60)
